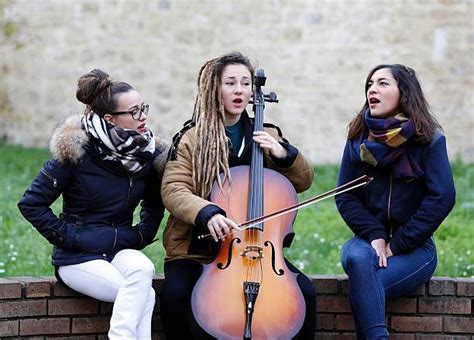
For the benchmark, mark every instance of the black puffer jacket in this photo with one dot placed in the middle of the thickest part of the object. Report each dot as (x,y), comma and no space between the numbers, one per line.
(98,202)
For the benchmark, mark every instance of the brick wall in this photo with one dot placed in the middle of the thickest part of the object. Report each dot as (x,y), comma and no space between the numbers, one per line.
(42,308)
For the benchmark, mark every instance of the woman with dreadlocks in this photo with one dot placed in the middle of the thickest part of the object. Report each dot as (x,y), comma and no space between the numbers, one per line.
(219,136)
(397,141)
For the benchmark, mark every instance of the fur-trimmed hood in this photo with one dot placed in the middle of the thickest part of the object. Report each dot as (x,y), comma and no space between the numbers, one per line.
(69,140)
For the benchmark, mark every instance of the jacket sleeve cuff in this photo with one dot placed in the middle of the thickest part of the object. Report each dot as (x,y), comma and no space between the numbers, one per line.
(376,234)
(395,247)
(71,239)
(127,238)
(205,214)
(288,161)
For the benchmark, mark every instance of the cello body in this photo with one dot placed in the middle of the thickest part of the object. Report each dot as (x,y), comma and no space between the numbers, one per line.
(251,259)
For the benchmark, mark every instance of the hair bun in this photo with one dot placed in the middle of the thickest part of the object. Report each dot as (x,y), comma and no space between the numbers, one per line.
(91,85)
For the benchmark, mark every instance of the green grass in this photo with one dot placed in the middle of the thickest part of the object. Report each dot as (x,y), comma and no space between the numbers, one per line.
(320,231)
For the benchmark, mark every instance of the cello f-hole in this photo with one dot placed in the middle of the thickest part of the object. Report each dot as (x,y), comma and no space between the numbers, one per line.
(280,271)
(229,254)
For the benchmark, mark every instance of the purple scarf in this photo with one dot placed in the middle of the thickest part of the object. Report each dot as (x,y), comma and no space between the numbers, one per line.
(388,147)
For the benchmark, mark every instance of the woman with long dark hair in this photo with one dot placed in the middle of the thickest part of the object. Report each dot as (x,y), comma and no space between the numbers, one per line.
(397,141)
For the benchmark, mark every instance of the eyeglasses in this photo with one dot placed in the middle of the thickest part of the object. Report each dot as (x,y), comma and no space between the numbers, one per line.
(136,113)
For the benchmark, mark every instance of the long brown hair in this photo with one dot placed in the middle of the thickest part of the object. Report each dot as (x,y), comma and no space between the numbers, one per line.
(210,157)
(412,103)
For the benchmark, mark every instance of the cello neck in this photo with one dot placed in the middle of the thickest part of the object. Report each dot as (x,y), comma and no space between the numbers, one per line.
(255,199)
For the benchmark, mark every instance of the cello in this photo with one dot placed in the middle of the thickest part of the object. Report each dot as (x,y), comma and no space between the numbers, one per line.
(248,291)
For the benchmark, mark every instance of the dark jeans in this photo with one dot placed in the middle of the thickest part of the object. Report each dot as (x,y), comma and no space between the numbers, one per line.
(370,285)
(175,301)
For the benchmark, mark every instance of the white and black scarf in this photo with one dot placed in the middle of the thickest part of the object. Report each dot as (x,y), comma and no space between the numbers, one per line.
(132,149)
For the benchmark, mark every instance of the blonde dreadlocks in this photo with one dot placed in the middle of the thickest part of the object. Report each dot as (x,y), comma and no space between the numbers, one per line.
(210,156)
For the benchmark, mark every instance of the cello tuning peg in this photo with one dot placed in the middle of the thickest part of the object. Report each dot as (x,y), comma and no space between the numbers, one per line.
(271,97)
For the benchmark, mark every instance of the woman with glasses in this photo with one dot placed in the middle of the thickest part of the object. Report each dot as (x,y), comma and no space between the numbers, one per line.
(104,165)
(397,141)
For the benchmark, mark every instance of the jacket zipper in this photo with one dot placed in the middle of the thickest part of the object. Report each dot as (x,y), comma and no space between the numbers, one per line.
(115,239)
(129,190)
(130,186)
(389,205)
(54,180)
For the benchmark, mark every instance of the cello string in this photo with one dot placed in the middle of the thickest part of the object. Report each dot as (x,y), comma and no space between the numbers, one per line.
(259,230)
(257,199)
(257,181)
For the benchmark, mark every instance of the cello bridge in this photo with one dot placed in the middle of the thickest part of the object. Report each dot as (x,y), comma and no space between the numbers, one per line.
(253,252)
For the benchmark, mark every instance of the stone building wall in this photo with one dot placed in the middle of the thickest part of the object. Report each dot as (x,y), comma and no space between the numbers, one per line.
(316,54)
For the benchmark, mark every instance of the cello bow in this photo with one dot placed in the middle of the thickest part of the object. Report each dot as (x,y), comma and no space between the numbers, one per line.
(356,183)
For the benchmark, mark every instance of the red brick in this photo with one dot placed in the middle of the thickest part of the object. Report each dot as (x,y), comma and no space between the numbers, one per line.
(344,322)
(325,321)
(418,291)
(10,289)
(416,323)
(325,284)
(402,337)
(44,326)
(76,337)
(465,287)
(73,306)
(35,286)
(445,305)
(61,290)
(334,336)
(441,337)
(98,324)
(344,285)
(441,286)
(458,324)
(402,305)
(22,308)
(332,304)
(9,328)
(106,307)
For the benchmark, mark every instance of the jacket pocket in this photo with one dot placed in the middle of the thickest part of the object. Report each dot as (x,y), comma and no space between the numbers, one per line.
(177,237)
(125,238)
(95,239)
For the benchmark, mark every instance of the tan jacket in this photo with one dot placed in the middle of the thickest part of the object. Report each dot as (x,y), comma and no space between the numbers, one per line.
(179,197)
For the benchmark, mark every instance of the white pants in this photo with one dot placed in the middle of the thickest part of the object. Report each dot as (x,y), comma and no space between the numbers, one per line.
(126,281)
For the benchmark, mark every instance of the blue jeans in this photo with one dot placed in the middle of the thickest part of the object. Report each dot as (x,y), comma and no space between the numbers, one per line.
(370,285)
